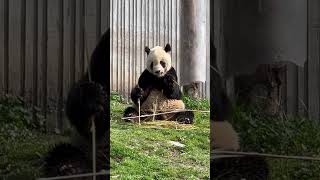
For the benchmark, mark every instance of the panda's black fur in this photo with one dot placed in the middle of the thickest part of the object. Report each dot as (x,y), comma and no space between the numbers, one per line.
(148,81)
(87,99)
(167,84)
(224,137)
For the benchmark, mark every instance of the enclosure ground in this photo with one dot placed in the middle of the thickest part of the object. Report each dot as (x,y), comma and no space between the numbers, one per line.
(21,157)
(141,151)
(146,152)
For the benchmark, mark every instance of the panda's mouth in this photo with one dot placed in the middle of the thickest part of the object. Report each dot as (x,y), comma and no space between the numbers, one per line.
(158,73)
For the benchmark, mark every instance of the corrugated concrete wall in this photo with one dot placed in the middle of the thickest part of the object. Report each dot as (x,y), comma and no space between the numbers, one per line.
(44,48)
(139,23)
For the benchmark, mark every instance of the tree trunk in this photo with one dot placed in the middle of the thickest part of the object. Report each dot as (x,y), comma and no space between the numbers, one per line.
(193,45)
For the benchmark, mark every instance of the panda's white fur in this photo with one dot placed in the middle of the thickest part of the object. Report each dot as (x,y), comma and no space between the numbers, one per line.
(223,136)
(163,103)
(155,56)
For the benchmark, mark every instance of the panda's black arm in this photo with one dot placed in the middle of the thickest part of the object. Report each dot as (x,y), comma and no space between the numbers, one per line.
(171,88)
(145,84)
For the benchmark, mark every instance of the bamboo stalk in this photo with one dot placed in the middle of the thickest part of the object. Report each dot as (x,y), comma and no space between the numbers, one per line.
(139,111)
(175,111)
(93,131)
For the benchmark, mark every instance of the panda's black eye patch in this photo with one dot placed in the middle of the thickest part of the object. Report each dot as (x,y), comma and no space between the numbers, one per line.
(151,65)
(163,64)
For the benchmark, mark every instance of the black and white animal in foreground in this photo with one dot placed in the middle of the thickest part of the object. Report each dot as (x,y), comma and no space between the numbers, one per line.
(224,137)
(158,85)
(87,101)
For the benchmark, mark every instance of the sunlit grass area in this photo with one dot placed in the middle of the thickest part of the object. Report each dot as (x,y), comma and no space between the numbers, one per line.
(143,152)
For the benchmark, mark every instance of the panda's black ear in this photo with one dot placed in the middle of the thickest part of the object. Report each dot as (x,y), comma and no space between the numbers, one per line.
(167,48)
(147,50)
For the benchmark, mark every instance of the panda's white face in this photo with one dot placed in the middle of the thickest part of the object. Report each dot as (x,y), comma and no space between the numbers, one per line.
(158,60)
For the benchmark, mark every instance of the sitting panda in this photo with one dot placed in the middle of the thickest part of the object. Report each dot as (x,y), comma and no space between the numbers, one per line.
(224,137)
(158,85)
(87,100)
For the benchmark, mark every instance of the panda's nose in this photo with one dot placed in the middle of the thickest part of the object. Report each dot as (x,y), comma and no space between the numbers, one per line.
(158,72)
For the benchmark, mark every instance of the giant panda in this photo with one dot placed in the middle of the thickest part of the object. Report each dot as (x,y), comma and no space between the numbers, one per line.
(223,136)
(87,100)
(158,84)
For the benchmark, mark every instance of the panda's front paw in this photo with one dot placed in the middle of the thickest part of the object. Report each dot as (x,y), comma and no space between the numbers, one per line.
(169,81)
(137,92)
(171,88)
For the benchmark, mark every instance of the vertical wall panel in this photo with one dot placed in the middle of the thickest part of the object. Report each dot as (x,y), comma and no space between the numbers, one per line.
(141,35)
(302,91)
(43,58)
(72,53)
(2,48)
(6,45)
(123,46)
(68,25)
(313,59)
(53,58)
(79,39)
(31,48)
(14,46)
(60,65)
(292,89)
(313,74)
(23,48)
(114,42)
(129,39)
(135,36)
(105,11)
(67,42)
(118,22)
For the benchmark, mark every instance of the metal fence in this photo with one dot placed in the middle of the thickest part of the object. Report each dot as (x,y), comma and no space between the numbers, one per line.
(139,23)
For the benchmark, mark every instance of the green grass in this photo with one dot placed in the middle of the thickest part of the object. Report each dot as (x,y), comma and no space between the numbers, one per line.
(285,136)
(138,152)
(135,151)
(23,143)
(22,158)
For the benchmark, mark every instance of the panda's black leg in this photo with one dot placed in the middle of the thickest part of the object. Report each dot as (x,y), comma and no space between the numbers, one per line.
(130,112)
(185,117)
